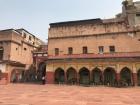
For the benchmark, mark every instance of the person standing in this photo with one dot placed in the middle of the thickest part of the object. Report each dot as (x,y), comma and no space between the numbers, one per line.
(43,80)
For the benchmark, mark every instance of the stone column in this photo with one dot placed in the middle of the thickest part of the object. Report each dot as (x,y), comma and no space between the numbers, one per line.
(65,76)
(134,76)
(135,79)
(78,77)
(102,77)
(118,77)
(50,77)
(90,76)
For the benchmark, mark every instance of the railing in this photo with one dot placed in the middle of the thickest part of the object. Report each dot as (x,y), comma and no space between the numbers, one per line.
(105,55)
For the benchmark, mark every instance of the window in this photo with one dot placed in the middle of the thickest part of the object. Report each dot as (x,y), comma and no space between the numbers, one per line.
(25,49)
(70,50)
(1,53)
(85,50)
(30,38)
(56,51)
(112,49)
(101,49)
(24,35)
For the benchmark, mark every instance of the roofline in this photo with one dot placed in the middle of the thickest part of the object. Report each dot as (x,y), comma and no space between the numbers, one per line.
(31,34)
(76,21)
(11,29)
(25,31)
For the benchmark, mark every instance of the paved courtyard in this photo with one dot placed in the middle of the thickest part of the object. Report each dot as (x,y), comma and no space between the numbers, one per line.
(24,94)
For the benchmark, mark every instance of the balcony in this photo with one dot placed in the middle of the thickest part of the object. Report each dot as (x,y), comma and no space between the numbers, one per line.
(97,56)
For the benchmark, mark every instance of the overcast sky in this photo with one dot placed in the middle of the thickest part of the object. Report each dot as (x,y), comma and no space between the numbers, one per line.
(35,15)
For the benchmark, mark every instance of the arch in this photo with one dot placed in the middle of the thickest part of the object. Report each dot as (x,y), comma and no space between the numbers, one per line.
(13,77)
(84,76)
(59,76)
(126,76)
(41,72)
(71,66)
(96,76)
(16,75)
(1,53)
(109,76)
(138,77)
(71,76)
(86,66)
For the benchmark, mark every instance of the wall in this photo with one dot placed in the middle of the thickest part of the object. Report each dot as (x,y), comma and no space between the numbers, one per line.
(127,42)
(86,29)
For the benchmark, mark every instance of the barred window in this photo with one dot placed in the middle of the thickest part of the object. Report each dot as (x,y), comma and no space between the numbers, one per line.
(112,49)
(1,53)
(101,49)
(85,50)
(56,51)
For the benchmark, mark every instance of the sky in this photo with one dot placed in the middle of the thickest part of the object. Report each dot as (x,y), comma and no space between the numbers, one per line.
(36,15)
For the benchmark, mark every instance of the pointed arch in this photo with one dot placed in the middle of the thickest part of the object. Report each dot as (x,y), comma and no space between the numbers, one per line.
(109,76)
(71,75)
(96,76)
(59,76)
(84,76)
(126,76)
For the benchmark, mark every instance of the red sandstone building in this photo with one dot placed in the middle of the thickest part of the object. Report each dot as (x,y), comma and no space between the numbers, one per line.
(96,51)
(16,47)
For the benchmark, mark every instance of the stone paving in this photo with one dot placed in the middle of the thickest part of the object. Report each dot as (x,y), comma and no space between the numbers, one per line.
(26,94)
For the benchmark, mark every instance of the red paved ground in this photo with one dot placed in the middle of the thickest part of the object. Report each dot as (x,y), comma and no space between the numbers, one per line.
(21,94)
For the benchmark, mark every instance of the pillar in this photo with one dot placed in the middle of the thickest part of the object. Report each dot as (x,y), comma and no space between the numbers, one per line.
(102,77)
(135,79)
(50,77)
(118,77)
(90,76)
(65,76)
(134,76)
(78,78)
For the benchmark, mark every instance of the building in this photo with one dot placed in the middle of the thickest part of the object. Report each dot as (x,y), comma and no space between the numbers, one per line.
(96,51)
(16,47)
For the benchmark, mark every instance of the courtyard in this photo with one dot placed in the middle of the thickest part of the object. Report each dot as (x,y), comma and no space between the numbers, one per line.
(29,94)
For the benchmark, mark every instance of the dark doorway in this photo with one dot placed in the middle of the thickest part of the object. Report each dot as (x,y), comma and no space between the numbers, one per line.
(97,76)
(84,76)
(109,76)
(71,76)
(59,76)
(41,71)
(126,76)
